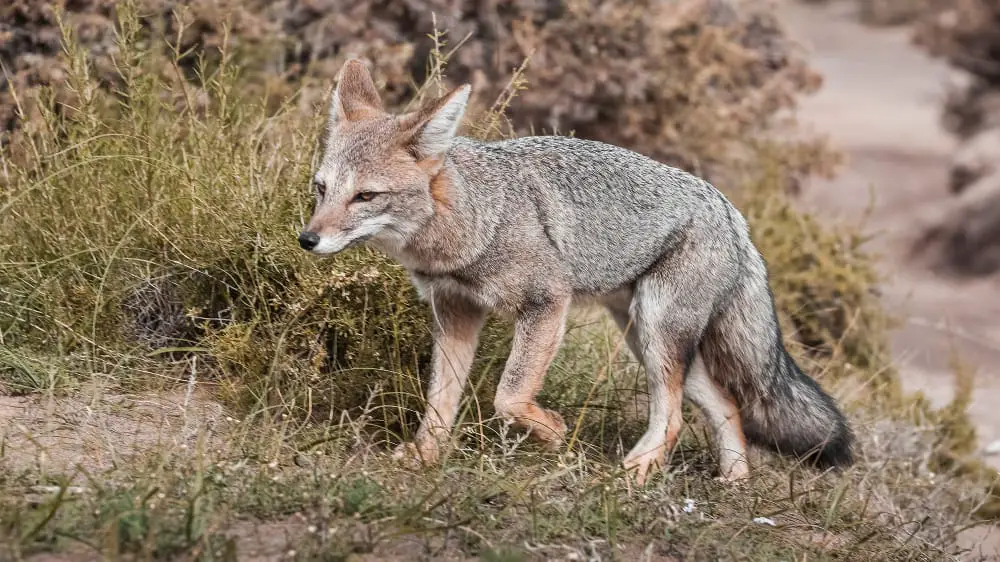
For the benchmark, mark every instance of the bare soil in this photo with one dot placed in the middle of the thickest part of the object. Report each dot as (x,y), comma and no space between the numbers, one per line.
(881,104)
(96,431)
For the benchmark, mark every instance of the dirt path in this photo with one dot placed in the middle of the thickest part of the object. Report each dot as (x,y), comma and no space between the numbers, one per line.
(881,103)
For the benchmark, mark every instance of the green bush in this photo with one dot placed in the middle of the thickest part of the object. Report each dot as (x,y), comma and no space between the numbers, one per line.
(161,226)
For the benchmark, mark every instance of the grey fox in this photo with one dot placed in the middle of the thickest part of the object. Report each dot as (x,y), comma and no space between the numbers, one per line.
(524,227)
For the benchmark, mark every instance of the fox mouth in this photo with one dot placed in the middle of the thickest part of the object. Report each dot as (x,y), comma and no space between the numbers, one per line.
(358,241)
(323,248)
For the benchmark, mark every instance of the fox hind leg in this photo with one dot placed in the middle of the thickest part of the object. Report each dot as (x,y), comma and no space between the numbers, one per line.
(670,308)
(720,410)
(665,348)
(723,415)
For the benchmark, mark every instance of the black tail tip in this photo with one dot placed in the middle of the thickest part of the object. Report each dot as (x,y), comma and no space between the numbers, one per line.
(835,452)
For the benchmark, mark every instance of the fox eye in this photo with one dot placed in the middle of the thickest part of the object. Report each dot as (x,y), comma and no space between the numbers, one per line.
(365,196)
(320,189)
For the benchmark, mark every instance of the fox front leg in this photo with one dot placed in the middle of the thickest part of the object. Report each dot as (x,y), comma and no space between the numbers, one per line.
(456,326)
(538,332)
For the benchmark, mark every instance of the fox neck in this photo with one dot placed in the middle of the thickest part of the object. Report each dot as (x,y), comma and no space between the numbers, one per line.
(460,229)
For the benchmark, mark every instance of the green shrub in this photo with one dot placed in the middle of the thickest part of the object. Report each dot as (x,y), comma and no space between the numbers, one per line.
(167,225)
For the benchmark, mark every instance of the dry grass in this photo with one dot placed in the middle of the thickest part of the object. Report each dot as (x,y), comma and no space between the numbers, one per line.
(193,483)
(147,252)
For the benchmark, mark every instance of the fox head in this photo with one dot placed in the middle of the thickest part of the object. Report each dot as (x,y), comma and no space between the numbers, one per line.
(375,179)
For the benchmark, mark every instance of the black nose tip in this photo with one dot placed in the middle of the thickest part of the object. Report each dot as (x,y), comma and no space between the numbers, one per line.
(308,240)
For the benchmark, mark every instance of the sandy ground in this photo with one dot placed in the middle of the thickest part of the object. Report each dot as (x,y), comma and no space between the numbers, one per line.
(96,431)
(881,104)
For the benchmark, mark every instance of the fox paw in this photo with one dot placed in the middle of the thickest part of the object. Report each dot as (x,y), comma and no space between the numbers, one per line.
(736,476)
(643,462)
(416,455)
(551,434)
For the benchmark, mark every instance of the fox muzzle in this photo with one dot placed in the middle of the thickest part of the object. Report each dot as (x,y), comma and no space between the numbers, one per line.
(308,240)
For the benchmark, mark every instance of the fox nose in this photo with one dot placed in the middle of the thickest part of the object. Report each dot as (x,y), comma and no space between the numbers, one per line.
(308,240)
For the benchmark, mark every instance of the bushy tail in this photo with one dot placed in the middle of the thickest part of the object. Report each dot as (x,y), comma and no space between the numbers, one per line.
(782,408)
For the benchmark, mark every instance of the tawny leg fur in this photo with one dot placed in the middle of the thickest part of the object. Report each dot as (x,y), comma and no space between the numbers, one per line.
(664,364)
(456,325)
(538,332)
(723,415)
(665,374)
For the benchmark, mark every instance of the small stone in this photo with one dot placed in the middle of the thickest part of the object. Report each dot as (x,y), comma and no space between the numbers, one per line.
(70,490)
(993,448)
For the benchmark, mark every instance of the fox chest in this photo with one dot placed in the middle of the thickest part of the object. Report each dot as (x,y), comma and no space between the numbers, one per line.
(483,291)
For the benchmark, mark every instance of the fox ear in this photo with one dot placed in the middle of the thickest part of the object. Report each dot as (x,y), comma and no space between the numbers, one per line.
(428,132)
(356,95)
